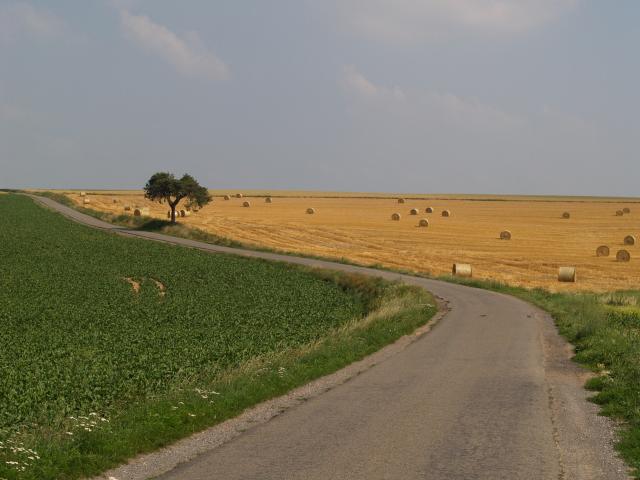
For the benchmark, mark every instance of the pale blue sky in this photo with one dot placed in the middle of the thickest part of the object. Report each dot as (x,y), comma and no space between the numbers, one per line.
(475,96)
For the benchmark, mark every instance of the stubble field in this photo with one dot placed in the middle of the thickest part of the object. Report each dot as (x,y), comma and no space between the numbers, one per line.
(358,227)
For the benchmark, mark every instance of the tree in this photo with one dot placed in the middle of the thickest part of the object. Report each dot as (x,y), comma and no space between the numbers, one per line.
(166,187)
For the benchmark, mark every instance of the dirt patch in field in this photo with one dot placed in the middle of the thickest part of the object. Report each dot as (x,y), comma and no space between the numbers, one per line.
(135,286)
(161,286)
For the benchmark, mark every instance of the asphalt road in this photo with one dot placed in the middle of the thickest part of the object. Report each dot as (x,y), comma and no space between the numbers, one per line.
(488,393)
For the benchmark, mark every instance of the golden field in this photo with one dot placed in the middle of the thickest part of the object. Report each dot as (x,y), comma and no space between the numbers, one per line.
(358,227)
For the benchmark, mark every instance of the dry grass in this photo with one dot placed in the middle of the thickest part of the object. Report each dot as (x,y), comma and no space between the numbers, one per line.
(361,230)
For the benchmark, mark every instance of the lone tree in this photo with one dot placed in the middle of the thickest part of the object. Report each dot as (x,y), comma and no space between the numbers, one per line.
(165,186)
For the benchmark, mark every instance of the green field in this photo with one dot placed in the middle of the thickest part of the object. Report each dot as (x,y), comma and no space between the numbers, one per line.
(93,372)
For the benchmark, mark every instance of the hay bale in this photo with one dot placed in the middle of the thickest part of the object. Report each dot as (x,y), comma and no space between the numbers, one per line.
(413,211)
(268,200)
(82,194)
(115,200)
(245,204)
(401,200)
(629,240)
(505,235)
(395,216)
(311,211)
(127,208)
(429,210)
(626,210)
(185,213)
(137,212)
(619,213)
(446,213)
(423,222)
(86,200)
(461,270)
(602,251)
(238,195)
(566,215)
(567,274)
(227,197)
(623,256)
(169,214)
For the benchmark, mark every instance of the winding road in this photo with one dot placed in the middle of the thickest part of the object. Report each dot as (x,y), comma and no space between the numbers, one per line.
(489,393)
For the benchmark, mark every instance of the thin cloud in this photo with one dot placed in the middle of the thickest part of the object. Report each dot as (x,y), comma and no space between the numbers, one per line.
(22,19)
(423,107)
(413,21)
(358,83)
(187,55)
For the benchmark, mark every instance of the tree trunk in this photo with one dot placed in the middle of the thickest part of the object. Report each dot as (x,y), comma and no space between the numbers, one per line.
(173,204)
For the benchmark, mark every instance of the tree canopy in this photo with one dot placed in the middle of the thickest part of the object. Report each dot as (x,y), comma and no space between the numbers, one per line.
(165,186)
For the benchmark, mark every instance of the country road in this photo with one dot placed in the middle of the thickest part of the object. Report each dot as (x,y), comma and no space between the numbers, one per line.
(489,393)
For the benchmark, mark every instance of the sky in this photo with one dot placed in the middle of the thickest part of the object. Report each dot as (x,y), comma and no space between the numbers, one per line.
(421,96)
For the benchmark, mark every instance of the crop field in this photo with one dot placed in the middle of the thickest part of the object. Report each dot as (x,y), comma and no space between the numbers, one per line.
(111,345)
(359,228)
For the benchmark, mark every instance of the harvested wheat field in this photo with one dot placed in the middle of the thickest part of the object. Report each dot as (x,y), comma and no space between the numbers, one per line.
(360,229)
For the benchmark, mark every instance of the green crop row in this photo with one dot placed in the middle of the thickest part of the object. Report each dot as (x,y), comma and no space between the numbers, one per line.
(94,326)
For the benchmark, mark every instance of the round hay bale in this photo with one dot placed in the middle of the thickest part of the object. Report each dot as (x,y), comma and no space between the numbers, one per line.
(619,213)
(567,274)
(268,200)
(246,204)
(401,200)
(227,197)
(423,222)
(505,235)
(184,213)
(462,270)
(413,211)
(311,211)
(115,200)
(395,216)
(602,251)
(82,194)
(127,208)
(623,256)
(446,213)
(629,240)
(138,212)
(429,210)
(169,214)
(238,195)
(566,215)
(626,210)
(86,200)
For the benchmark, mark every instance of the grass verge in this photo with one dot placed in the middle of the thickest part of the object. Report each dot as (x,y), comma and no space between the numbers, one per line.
(94,374)
(148,224)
